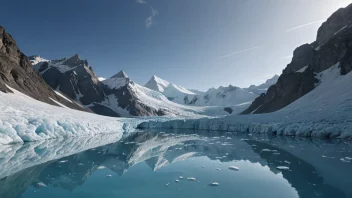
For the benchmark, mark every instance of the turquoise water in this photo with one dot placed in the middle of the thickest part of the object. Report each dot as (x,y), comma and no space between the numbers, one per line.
(148,165)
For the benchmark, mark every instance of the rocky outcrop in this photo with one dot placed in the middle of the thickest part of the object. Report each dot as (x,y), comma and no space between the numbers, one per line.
(289,88)
(335,23)
(17,72)
(333,45)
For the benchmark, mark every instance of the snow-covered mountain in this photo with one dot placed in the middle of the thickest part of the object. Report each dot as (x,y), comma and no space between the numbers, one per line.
(262,88)
(118,95)
(172,91)
(222,96)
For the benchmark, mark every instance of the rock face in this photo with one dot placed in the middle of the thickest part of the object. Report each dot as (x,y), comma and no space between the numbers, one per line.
(17,72)
(333,45)
(336,22)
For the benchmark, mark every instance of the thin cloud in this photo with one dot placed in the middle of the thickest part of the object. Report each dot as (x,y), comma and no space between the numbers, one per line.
(141,2)
(245,50)
(150,20)
(286,57)
(304,25)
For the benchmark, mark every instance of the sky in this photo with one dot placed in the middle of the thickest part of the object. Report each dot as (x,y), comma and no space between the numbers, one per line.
(198,44)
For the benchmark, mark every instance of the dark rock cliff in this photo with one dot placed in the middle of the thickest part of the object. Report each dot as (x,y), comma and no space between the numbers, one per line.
(333,45)
(17,72)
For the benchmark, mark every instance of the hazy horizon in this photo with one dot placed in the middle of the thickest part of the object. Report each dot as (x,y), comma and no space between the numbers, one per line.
(196,44)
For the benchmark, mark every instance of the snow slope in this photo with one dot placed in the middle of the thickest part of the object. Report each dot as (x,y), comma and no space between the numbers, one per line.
(157,84)
(25,119)
(117,81)
(326,111)
(172,91)
(222,96)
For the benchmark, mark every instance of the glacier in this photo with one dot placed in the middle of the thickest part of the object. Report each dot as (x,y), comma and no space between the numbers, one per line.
(326,111)
(24,119)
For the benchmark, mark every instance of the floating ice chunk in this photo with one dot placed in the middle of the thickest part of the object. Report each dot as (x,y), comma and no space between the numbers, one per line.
(191,179)
(176,180)
(101,167)
(287,162)
(181,177)
(41,184)
(80,164)
(167,184)
(348,158)
(266,150)
(218,168)
(234,168)
(324,156)
(214,184)
(283,168)
(63,161)
(108,175)
(345,160)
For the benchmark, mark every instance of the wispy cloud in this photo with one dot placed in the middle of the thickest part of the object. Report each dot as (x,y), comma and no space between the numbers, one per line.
(286,57)
(304,25)
(141,1)
(150,20)
(241,51)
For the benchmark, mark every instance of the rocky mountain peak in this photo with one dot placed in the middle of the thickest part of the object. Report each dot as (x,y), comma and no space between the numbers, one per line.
(17,72)
(75,61)
(121,74)
(336,22)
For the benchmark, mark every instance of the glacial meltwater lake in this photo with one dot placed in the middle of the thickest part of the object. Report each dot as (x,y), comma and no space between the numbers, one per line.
(177,164)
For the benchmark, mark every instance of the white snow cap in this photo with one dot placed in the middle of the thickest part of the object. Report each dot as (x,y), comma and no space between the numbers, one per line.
(117,81)
(157,84)
(121,74)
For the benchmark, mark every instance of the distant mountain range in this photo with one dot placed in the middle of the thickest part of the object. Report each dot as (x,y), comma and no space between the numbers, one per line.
(222,96)
(74,80)
(115,96)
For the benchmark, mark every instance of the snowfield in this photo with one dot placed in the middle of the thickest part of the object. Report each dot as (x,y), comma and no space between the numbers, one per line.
(326,111)
(24,119)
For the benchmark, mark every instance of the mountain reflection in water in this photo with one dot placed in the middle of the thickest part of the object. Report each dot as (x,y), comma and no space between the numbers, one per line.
(317,168)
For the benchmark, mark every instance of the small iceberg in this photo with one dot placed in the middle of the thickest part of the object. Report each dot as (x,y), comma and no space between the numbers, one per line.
(191,179)
(234,168)
(181,177)
(101,167)
(283,168)
(214,184)
(41,184)
(176,180)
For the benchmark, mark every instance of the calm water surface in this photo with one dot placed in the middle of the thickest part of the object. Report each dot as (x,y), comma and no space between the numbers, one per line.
(148,165)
